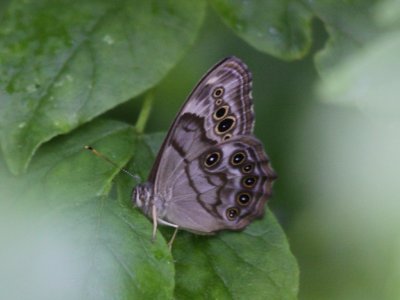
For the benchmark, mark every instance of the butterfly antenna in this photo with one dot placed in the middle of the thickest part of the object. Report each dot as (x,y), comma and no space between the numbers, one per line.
(97,153)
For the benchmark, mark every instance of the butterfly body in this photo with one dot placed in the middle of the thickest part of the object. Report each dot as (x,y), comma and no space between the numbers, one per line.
(211,172)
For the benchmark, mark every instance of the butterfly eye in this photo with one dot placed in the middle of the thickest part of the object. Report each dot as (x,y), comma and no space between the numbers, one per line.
(212,159)
(232,213)
(249,181)
(218,92)
(243,198)
(221,112)
(227,136)
(225,125)
(238,158)
(247,168)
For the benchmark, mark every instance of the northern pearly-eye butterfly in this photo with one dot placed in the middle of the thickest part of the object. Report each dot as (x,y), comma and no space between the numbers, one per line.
(211,172)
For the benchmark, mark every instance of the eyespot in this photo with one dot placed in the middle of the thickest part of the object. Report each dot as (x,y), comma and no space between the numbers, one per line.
(227,136)
(225,125)
(249,181)
(238,158)
(212,159)
(232,213)
(218,92)
(243,198)
(218,101)
(221,112)
(247,168)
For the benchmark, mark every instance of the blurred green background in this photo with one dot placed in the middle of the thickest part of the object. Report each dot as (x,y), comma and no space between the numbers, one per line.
(337,195)
(333,138)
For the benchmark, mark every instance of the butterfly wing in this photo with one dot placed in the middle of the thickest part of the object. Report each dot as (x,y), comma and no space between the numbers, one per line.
(223,98)
(209,186)
(197,183)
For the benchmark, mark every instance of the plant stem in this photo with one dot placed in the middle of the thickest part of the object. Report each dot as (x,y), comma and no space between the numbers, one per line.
(144,112)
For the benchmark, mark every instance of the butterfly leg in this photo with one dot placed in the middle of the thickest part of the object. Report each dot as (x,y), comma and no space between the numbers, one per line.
(171,241)
(161,221)
(155,219)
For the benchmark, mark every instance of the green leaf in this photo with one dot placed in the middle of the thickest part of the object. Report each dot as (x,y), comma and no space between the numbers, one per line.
(65,237)
(350,25)
(369,78)
(253,264)
(283,28)
(280,28)
(65,62)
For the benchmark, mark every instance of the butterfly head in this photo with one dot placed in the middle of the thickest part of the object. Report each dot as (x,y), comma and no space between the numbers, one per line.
(142,195)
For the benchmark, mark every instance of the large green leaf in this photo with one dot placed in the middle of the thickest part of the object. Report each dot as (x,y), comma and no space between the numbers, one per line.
(65,62)
(283,28)
(65,237)
(350,25)
(280,28)
(253,264)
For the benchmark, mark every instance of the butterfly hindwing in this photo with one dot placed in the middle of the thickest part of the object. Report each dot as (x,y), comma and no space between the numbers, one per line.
(213,186)
(229,183)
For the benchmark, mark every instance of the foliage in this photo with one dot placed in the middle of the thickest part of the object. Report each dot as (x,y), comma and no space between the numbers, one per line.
(67,227)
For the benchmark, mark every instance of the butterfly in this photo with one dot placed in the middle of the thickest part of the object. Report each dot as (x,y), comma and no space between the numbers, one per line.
(211,172)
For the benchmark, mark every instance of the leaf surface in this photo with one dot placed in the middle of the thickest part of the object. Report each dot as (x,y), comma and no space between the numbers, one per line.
(65,62)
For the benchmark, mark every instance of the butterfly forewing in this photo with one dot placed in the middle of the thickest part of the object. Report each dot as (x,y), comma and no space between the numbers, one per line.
(223,98)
